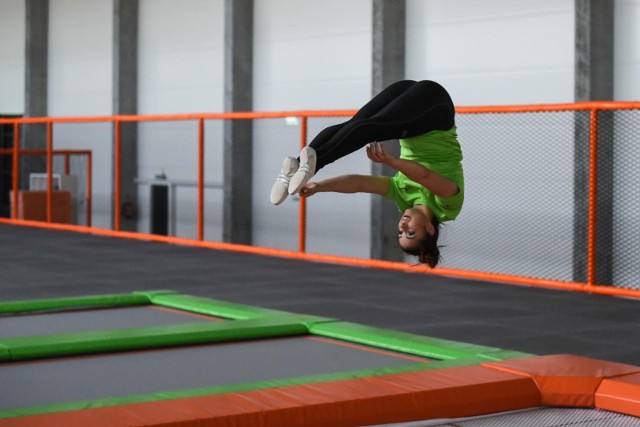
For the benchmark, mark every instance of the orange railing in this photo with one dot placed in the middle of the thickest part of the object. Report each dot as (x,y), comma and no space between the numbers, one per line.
(117,143)
(17,153)
(591,107)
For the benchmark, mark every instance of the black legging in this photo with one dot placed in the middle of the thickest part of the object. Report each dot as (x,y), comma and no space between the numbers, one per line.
(405,109)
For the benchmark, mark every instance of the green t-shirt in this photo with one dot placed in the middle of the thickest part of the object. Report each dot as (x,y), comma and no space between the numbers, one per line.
(440,152)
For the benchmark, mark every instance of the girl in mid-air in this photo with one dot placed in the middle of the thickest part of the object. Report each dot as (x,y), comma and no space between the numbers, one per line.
(428,187)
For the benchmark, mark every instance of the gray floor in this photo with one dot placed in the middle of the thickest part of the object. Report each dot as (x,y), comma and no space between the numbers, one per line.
(41,264)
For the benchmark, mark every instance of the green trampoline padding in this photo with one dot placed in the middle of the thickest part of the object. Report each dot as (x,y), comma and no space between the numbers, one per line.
(38,347)
(409,343)
(163,298)
(112,300)
(245,323)
(211,307)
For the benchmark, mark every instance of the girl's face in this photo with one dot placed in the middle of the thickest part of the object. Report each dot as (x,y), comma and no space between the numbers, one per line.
(412,228)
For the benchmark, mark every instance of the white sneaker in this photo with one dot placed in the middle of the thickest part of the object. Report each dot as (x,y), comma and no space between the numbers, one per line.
(280,187)
(306,170)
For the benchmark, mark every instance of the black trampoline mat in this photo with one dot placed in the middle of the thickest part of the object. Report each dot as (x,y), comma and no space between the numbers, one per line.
(65,322)
(74,379)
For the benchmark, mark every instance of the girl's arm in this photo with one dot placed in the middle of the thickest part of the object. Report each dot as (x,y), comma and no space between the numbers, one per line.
(348,184)
(438,185)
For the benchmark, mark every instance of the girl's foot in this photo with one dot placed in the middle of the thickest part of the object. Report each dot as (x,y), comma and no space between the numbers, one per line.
(280,187)
(306,170)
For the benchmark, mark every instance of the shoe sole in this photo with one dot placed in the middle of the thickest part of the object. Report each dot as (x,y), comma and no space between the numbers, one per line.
(279,189)
(305,172)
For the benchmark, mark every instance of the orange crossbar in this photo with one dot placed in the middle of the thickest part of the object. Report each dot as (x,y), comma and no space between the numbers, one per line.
(35,152)
(537,108)
(181,117)
(578,106)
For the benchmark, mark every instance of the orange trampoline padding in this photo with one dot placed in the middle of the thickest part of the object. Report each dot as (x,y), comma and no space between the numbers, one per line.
(620,394)
(443,393)
(565,379)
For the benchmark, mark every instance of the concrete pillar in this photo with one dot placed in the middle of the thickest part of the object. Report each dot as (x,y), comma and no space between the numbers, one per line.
(593,81)
(125,101)
(238,134)
(35,86)
(388,66)
(594,50)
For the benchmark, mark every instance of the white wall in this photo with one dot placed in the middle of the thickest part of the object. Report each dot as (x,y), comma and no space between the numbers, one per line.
(80,51)
(12,46)
(181,56)
(498,52)
(181,70)
(309,55)
(626,224)
(493,51)
(317,55)
(300,63)
(80,84)
(627,50)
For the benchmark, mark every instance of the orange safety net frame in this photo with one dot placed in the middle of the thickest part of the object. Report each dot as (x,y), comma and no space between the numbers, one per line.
(591,107)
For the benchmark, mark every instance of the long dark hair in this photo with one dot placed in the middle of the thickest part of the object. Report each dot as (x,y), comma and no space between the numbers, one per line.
(428,251)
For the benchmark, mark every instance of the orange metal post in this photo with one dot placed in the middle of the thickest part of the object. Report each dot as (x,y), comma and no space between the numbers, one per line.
(16,169)
(593,195)
(302,226)
(200,179)
(116,172)
(49,171)
(89,187)
(67,165)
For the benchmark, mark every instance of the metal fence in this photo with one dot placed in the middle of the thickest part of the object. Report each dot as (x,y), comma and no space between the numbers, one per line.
(551,190)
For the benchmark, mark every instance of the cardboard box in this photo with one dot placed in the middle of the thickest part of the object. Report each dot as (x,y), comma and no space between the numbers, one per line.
(32,205)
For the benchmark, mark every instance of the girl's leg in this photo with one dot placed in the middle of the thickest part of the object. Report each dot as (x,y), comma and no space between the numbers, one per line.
(407,109)
(371,108)
(295,172)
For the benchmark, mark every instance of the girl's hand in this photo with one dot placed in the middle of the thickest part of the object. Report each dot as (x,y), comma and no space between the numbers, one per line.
(309,189)
(378,154)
